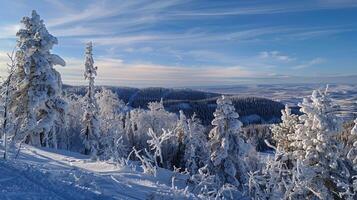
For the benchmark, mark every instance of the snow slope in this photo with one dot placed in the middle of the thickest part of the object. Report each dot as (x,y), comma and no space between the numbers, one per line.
(41,173)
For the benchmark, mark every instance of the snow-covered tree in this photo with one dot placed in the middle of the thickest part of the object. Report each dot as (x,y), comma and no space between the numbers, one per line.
(70,139)
(156,143)
(147,161)
(352,157)
(109,104)
(36,102)
(90,132)
(6,90)
(157,119)
(274,179)
(228,151)
(345,136)
(309,162)
(283,132)
(196,149)
(258,135)
(111,114)
(204,184)
(354,130)
(129,130)
(181,130)
(320,171)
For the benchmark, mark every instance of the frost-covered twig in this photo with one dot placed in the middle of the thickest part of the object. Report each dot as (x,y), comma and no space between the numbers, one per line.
(156,143)
(147,161)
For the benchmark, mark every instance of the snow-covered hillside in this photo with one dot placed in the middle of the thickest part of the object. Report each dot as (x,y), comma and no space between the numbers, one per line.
(42,173)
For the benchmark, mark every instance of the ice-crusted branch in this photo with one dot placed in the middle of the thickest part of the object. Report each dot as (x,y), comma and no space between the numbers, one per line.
(156,144)
(147,161)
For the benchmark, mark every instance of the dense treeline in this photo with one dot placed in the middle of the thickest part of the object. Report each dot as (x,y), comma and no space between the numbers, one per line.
(253,110)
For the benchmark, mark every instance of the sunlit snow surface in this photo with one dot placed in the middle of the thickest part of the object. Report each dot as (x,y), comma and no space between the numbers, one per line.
(54,174)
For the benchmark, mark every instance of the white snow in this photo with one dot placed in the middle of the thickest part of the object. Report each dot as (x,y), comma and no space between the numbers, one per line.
(43,173)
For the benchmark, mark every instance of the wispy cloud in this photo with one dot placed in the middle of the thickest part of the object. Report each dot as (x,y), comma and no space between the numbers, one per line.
(268,8)
(310,63)
(120,40)
(275,55)
(92,12)
(117,20)
(107,13)
(116,71)
(78,31)
(313,33)
(9,31)
(139,49)
(264,34)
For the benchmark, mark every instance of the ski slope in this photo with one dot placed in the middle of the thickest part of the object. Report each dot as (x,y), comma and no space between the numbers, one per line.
(41,173)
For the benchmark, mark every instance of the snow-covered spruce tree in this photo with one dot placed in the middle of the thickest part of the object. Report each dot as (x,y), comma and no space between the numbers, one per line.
(90,132)
(275,178)
(320,172)
(228,151)
(36,102)
(283,133)
(111,113)
(196,149)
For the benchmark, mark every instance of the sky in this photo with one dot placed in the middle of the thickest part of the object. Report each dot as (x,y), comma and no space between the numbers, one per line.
(179,43)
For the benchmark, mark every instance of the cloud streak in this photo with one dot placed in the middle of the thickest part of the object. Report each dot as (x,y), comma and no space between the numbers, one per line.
(113,71)
(315,61)
(268,9)
(275,55)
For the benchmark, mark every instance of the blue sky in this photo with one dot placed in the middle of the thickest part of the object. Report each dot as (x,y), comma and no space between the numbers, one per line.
(196,43)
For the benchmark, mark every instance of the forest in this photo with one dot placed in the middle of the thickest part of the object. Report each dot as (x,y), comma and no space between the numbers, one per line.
(225,147)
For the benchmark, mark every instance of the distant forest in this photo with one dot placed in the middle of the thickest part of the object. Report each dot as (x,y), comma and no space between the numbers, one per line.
(252,110)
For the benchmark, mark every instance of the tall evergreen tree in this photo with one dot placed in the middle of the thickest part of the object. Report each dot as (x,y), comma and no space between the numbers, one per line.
(320,169)
(309,162)
(228,151)
(36,103)
(90,132)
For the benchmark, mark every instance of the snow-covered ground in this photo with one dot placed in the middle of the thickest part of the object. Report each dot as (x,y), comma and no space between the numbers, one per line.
(41,173)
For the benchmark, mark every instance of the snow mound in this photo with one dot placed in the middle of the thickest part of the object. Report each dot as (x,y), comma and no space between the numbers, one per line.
(41,173)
